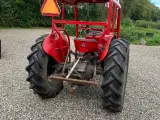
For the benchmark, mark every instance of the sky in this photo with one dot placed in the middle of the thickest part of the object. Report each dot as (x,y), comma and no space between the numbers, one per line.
(156,2)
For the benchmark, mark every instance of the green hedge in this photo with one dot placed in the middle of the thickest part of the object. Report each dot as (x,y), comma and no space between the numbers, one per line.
(22,13)
(127,22)
(135,34)
(148,24)
(70,29)
(26,13)
(132,34)
(154,41)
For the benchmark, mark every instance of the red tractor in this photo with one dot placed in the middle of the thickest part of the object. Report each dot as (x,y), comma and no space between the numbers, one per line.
(101,51)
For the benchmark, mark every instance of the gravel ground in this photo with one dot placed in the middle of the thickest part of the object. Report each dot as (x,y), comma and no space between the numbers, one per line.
(17,102)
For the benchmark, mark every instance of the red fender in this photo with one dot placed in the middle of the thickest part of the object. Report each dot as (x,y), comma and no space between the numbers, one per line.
(103,46)
(52,46)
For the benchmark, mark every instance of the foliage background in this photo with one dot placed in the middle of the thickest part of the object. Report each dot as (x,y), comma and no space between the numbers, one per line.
(22,13)
(26,13)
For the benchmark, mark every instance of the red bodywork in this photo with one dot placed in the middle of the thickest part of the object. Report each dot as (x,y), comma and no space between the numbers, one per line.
(57,46)
(53,47)
(85,45)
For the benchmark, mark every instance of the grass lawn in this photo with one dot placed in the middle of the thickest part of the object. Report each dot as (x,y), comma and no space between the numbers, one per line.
(135,34)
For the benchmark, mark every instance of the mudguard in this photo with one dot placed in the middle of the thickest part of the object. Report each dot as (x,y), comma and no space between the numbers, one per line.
(56,46)
(103,46)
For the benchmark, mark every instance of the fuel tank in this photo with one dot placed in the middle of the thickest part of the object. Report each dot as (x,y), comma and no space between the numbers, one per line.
(85,45)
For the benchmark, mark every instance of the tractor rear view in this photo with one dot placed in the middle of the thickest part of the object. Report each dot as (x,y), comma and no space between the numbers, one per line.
(100,52)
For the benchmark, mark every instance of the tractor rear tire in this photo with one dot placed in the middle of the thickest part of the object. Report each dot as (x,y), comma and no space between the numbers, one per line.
(40,67)
(115,75)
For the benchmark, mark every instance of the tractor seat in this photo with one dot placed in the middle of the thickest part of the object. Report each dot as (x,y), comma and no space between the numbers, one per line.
(94,35)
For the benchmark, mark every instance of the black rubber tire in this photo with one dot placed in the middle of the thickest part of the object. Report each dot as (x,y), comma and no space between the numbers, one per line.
(40,67)
(115,75)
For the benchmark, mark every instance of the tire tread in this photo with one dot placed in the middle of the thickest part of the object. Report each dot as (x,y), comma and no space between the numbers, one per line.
(38,83)
(114,67)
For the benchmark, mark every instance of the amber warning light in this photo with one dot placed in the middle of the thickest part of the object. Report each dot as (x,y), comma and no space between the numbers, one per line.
(50,8)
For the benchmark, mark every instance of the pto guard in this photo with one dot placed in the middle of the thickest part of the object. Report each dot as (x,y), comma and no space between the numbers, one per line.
(54,48)
(103,46)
